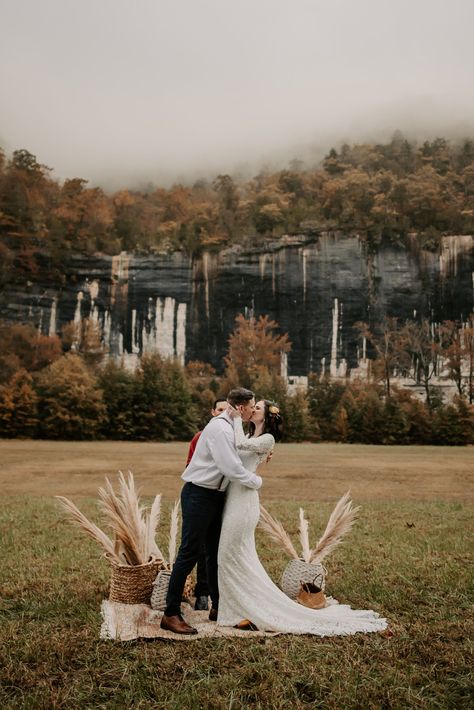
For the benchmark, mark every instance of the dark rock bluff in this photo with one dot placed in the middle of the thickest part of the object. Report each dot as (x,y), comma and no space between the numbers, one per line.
(315,288)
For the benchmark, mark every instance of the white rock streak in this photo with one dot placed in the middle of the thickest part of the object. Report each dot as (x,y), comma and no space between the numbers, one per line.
(451,250)
(205,270)
(181,332)
(135,348)
(52,318)
(77,313)
(334,341)
(167,329)
(336,370)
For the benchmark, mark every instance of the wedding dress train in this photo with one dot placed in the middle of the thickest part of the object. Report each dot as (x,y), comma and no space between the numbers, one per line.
(245,589)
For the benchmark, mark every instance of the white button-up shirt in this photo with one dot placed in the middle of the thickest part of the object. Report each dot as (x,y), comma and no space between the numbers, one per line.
(215,460)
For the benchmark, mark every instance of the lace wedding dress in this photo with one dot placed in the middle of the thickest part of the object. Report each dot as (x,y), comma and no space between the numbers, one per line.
(245,589)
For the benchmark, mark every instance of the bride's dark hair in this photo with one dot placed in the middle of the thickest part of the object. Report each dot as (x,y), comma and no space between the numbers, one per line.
(272,423)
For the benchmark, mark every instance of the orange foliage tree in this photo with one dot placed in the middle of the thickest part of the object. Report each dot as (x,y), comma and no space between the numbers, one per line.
(254,347)
(22,347)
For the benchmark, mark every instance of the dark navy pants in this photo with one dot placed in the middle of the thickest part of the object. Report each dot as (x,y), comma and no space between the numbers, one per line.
(202,518)
(201,588)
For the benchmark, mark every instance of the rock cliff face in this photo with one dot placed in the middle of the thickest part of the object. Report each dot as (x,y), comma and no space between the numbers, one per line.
(315,288)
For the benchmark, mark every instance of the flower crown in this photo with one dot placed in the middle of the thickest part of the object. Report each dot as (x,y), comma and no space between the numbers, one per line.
(273,409)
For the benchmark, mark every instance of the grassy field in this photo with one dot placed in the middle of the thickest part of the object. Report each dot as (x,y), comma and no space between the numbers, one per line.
(409,557)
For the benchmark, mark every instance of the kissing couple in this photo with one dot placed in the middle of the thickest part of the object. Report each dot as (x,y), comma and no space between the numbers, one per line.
(220,511)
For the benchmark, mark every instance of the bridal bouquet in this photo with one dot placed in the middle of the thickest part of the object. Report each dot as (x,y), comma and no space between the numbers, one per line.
(305,567)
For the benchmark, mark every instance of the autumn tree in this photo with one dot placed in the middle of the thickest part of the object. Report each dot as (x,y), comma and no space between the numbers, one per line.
(254,345)
(469,351)
(18,406)
(453,351)
(71,404)
(385,341)
(385,191)
(419,353)
(84,338)
(23,347)
(25,193)
(84,216)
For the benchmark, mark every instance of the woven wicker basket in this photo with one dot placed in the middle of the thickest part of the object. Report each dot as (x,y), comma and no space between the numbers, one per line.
(133,584)
(160,589)
(298,571)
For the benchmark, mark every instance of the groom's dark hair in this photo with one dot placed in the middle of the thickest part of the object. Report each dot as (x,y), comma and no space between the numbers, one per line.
(239,395)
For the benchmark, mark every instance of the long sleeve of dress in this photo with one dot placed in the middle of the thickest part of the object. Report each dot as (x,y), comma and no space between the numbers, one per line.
(260,444)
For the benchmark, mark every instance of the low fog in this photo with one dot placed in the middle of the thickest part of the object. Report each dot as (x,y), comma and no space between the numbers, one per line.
(124,93)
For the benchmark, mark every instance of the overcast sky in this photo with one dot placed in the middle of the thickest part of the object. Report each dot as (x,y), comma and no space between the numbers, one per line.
(125,91)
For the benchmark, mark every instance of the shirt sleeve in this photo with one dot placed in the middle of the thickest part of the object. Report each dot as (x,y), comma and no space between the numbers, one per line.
(260,444)
(222,448)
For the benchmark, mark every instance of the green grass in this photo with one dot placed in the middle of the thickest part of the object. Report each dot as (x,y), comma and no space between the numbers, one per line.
(408,560)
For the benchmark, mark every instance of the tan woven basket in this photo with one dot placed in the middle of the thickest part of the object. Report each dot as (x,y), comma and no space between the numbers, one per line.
(311,594)
(133,584)
(160,589)
(298,571)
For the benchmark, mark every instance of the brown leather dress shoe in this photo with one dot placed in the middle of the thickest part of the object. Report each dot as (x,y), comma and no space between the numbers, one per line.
(177,625)
(213,615)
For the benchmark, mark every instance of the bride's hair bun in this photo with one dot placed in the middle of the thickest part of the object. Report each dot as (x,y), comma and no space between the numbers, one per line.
(273,420)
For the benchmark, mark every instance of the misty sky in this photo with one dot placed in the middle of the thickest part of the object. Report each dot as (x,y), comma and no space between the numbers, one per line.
(121,92)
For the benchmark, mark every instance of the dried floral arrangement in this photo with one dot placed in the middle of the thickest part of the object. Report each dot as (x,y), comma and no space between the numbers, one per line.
(339,524)
(133,526)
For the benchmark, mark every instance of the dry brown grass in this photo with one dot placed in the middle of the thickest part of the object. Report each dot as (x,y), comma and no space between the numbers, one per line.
(296,472)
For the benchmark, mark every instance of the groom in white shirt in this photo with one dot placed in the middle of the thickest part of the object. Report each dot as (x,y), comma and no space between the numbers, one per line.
(214,463)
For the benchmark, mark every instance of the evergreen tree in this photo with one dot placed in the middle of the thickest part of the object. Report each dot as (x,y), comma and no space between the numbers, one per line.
(118,391)
(298,423)
(163,405)
(324,397)
(447,428)
(418,416)
(395,424)
(453,424)
(366,417)
(466,420)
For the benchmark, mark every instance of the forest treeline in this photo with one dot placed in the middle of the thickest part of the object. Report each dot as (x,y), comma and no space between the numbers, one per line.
(385,192)
(66,388)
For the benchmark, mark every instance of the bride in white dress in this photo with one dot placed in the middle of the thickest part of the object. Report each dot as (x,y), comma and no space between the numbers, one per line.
(246,592)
